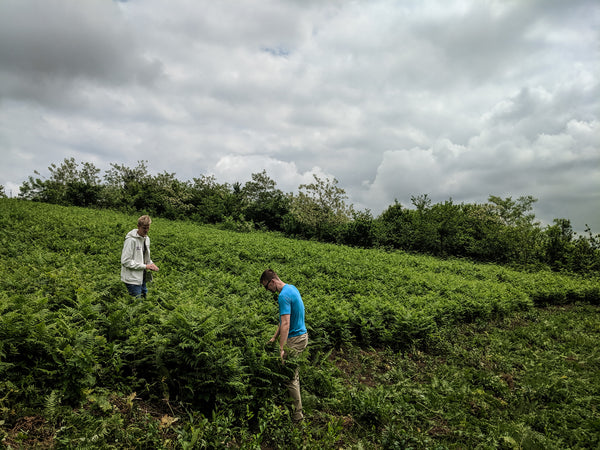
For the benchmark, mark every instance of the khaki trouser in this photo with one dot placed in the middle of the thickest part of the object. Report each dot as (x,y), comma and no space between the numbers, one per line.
(297,344)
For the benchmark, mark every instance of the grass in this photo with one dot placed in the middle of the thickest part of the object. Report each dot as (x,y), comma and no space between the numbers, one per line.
(405,351)
(531,380)
(527,381)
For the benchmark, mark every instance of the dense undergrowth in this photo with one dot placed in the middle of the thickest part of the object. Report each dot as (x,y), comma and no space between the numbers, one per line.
(404,350)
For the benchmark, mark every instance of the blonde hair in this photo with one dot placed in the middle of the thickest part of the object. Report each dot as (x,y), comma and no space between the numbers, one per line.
(144,220)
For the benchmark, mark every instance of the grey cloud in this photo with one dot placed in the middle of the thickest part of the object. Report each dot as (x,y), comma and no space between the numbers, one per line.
(48,44)
(455,99)
(566,165)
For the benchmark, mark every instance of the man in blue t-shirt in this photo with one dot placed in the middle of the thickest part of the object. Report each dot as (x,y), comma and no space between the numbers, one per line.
(291,330)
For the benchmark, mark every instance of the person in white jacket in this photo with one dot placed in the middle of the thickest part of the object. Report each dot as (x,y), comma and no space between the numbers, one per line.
(135,259)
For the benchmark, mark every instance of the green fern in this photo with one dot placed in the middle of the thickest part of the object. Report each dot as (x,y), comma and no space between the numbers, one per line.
(52,404)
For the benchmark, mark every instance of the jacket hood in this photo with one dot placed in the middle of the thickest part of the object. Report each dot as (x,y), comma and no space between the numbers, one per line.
(133,234)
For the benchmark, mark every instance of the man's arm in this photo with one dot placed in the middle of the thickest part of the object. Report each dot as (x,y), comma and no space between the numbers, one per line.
(284,329)
(128,258)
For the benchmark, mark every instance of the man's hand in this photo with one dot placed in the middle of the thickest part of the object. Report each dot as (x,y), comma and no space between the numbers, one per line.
(152,267)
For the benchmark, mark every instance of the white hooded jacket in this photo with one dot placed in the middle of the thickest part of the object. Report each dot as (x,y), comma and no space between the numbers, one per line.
(133,260)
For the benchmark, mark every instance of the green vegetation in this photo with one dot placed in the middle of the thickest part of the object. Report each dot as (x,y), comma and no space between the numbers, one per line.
(405,351)
(501,231)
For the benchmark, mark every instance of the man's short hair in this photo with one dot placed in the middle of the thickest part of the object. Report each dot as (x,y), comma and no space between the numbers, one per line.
(268,275)
(144,220)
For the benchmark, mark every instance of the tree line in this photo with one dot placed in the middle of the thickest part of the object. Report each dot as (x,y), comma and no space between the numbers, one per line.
(502,230)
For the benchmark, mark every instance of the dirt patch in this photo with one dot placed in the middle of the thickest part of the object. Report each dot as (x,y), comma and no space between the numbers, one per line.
(364,367)
(30,432)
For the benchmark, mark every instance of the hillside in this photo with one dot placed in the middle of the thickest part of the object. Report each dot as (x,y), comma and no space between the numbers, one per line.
(189,366)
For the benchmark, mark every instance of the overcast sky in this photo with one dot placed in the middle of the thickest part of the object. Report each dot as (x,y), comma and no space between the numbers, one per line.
(452,98)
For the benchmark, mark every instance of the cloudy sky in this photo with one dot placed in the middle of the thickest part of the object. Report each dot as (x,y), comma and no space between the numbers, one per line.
(394,98)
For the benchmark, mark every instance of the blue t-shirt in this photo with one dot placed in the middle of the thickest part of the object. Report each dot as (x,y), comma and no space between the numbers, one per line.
(290,302)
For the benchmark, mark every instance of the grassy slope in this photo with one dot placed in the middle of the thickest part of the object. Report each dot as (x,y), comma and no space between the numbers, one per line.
(443,374)
(531,380)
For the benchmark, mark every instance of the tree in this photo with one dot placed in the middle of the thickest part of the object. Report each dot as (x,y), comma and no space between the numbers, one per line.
(559,244)
(394,227)
(484,233)
(263,203)
(450,230)
(166,196)
(326,199)
(124,186)
(360,231)
(211,200)
(514,212)
(520,234)
(424,236)
(67,185)
(84,188)
(421,202)
(321,206)
(586,252)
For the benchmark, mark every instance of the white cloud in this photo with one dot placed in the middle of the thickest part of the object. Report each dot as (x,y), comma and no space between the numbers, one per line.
(288,177)
(565,165)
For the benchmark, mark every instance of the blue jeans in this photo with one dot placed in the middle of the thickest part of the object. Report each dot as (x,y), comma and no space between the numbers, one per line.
(137,290)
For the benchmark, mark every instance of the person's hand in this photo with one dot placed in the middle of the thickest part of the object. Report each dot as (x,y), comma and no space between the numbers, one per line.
(282,354)
(152,267)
